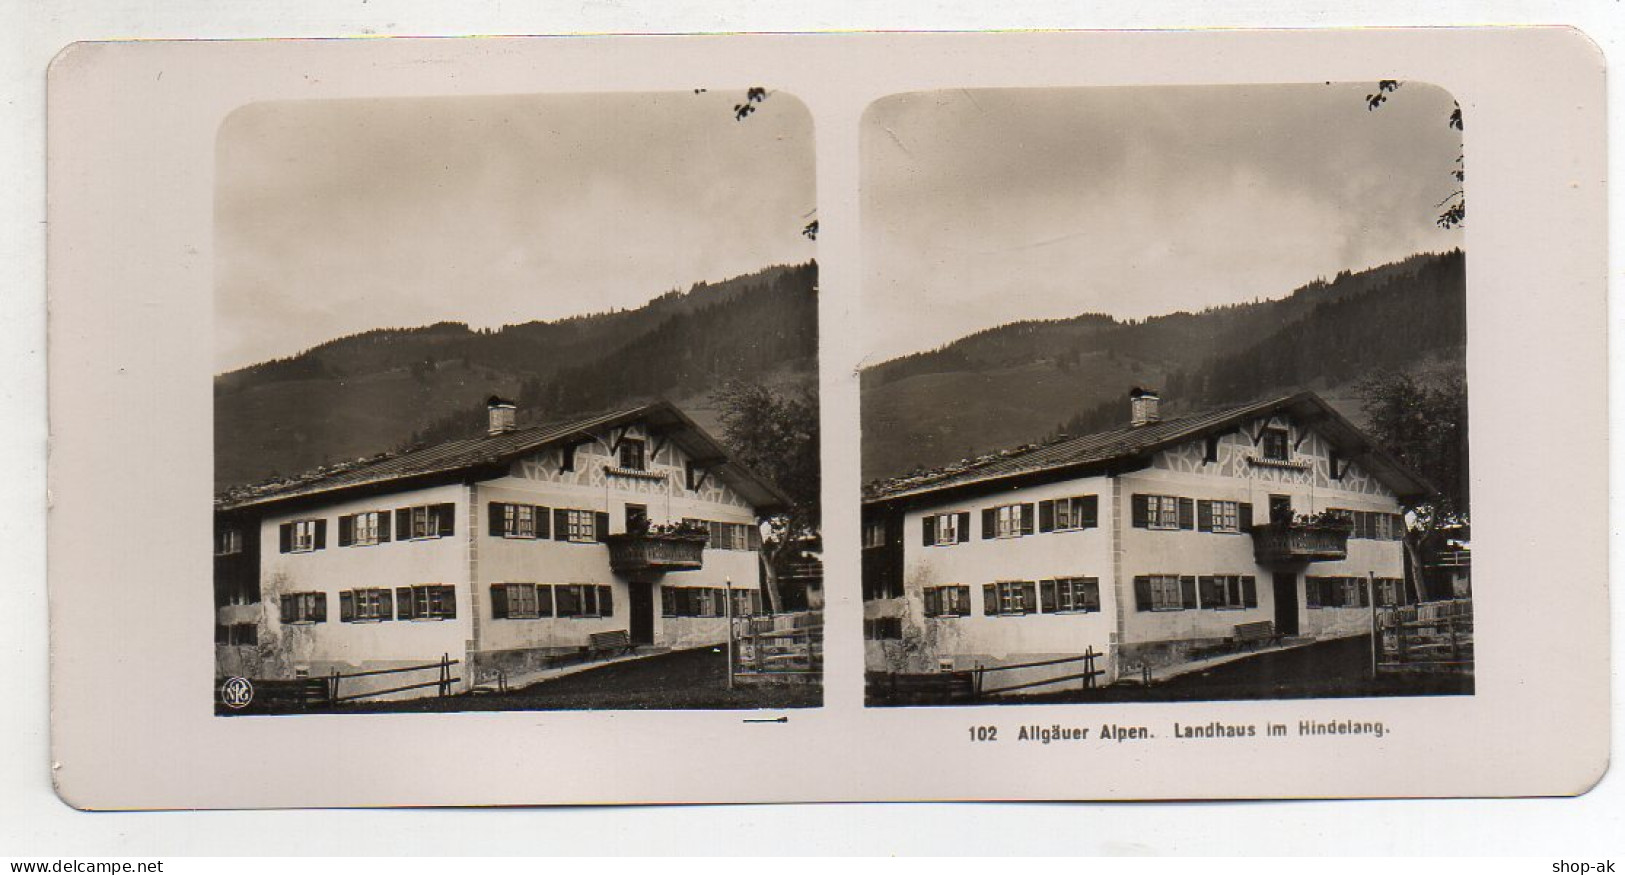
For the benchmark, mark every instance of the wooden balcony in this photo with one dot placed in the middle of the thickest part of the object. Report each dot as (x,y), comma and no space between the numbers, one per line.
(645,555)
(1283,543)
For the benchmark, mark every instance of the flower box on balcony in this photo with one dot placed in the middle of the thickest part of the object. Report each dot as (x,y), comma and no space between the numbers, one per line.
(644,553)
(1293,543)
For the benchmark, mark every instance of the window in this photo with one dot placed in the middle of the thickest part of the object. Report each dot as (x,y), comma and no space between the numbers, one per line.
(432,601)
(1273,445)
(1373,525)
(631,455)
(1162,512)
(521,601)
(304,607)
(944,528)
(1222,516)
(1228,591)
(1390,591)
(747,602)
(508,520)
(1009,521)
(577,526)
(1010,598)
(228,542)
(694,601)
(237,634)
(874,533)
(1071,513)
(1335,464)
(883,629)
(729,536)
(1164,592)
(581,600)
(1070,595)
(1335,592)
(303,536)
(362,605)
(364,529)
(947,601)
(425,521)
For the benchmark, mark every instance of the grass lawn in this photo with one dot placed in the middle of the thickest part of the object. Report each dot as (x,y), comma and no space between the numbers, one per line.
(686,679)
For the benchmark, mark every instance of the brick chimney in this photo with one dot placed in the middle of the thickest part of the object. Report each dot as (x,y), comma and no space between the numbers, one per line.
(501,416)
(1142,406)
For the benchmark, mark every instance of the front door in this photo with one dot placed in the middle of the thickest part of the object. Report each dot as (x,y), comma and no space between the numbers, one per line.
(642,624)
(1286,603)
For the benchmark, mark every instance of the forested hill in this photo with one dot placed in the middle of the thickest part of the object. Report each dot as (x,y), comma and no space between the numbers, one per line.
(1026,381)
(395,387)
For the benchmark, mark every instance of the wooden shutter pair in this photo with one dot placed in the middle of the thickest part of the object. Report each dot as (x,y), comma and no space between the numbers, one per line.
(1046,596)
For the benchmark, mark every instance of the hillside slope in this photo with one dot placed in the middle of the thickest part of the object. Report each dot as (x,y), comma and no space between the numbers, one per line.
(390,388)
(1021,382)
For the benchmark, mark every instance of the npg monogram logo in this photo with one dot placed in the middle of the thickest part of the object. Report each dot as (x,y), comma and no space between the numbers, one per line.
(237,693)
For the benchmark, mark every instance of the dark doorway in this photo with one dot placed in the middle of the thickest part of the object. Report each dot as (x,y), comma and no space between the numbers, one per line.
(1280,508)
(637,518)
(642,626)
(1286,603)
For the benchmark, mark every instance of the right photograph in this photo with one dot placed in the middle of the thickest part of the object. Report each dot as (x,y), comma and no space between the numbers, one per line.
(1165,396)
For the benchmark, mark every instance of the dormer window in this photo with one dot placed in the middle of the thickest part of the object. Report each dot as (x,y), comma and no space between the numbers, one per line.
(1273,445)
(632,455)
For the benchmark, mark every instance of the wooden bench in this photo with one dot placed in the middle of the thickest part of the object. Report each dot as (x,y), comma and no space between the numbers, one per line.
(1253,634)
(608,643)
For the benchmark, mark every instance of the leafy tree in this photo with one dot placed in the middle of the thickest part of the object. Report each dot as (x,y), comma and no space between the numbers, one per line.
(1423,421)
(777,437)
(1455,205)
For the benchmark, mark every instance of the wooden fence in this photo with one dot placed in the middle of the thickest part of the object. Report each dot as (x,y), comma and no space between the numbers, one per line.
(782,645)
(325,690)
(971,684)
(1428,636)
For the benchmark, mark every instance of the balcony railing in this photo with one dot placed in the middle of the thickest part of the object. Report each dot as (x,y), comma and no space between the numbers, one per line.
(1284,543)
(646,554)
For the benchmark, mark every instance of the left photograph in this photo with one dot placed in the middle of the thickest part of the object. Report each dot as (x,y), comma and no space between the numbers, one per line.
(515,404)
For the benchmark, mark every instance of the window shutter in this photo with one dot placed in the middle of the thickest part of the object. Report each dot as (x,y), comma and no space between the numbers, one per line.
(1249,591)
(542,516)
(1027,518)
(447,514)
(1140,511)
(346,606)
(1311,592)
(990,522)
(1187,513)
(448,595)
(561,525)
(499,599)
(1091,589)
(285,535)
(321,534)
(287,609)
(568,603)
(668,602)
(1046,596)
(753,537)
(600,525)
(403,603)
(606,601)
(1046,516)
(346,530)
(321,608)
(1142,593)
(403,524)
(383,526)
(1208,591)
(1029,597)
(1187,591)
(1204,515)
(1088,510)
(386,605)
(933,601)
(1244,515)
(494,517)
(1398,527)
(928,527)
(1365,592)
(990,600)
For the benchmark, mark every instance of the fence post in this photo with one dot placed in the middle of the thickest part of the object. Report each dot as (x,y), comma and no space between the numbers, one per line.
(333,686)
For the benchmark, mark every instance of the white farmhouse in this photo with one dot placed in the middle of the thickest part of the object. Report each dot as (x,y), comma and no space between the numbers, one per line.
(1151,544)
(506,551)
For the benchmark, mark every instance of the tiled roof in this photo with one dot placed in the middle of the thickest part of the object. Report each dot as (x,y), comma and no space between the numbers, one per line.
(1104,448)
(462,455)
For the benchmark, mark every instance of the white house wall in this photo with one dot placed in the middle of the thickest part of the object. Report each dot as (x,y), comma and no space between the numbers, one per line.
(321,647)
(968,641)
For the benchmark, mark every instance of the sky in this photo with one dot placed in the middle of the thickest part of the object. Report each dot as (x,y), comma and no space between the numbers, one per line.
(985,207)
(339,216)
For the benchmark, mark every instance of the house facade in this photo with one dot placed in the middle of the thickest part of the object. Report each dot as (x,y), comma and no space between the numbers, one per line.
(1149,545)
(505,552)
